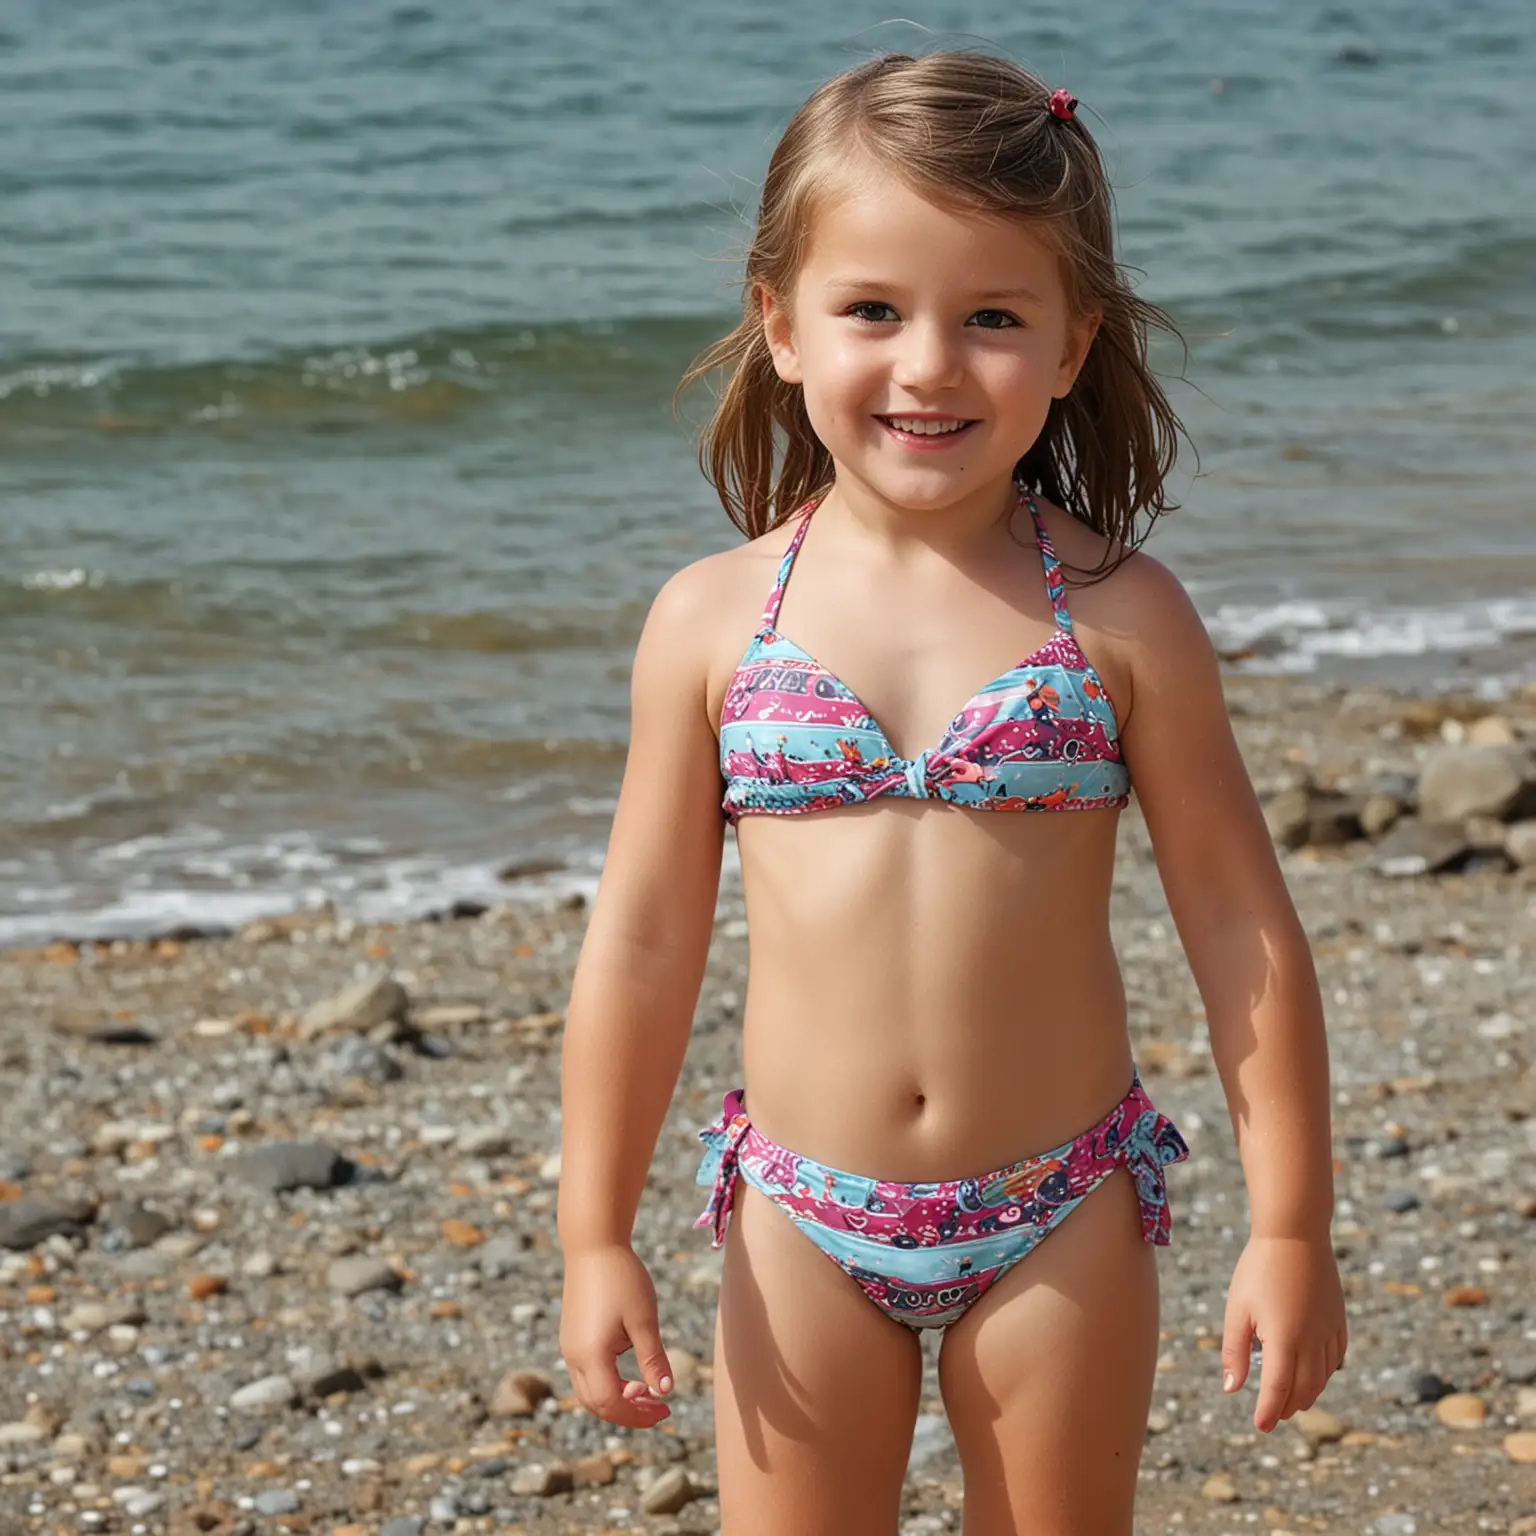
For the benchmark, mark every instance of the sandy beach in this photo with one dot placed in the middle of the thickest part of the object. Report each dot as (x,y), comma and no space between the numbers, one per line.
(277,1207)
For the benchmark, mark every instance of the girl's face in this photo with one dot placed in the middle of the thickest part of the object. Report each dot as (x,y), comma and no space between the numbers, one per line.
(905,315)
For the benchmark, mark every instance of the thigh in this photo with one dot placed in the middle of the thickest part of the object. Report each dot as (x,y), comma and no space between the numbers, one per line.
(1048,1378)
(816,1390)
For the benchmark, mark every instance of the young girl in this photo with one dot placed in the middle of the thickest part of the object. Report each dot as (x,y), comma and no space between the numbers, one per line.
(938,406)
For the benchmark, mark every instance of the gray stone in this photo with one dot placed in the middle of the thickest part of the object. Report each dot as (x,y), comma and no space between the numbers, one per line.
(500,1257)
(403,1525)
(669,1492)
(484,1141)
(355,1056)
(540,1480)
(281,1165)
(27,1222)
(361,1272)
(1462,781)
(360,1008)
(264,1395)
(1400,1201)
(1415,847)
(277,1501)
(132,1224)
(14,1168)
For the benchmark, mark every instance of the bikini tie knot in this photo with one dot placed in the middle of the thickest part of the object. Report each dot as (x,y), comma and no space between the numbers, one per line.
(917,777)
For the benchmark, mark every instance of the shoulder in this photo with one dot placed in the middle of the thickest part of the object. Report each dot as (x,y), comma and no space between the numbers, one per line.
(704,615)
(1141,625)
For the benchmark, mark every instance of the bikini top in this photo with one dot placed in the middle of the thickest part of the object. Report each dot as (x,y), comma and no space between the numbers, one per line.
(1041,737)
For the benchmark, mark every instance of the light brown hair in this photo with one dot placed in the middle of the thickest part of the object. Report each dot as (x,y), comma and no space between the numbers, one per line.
(975,134)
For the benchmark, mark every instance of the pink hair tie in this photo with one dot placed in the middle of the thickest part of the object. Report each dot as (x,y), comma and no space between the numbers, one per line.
(1063,105)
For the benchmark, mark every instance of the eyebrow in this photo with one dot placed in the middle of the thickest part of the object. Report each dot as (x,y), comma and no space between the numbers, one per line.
(865,284)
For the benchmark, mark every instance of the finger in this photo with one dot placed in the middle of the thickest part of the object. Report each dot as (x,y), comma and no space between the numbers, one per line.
(1276,1380)
(1236,1341)
(604,1392)
(645,1334)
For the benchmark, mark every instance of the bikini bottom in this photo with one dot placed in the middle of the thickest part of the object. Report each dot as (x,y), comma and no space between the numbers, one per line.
(923,1253)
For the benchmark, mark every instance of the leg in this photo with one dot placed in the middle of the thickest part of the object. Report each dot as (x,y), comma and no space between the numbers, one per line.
(1048,1378)
(816,1390)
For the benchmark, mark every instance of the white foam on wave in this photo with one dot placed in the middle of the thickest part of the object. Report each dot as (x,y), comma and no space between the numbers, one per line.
(1296,635)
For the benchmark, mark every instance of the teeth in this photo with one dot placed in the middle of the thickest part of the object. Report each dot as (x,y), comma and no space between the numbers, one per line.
(924,428)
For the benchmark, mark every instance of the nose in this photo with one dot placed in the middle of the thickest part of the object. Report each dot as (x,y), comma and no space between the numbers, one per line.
(927,358)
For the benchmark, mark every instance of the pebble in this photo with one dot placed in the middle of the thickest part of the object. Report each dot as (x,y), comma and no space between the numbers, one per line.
(378,999)
(277,1501)
(1427,1387)
(264,1394)
(1521,1447)
(540,1480)
(282,1165)
(1461,1410)
(518,1393)
(1400,1201)
(1220,1489)
(403,1525)
(669,1492)
(354,1275)
(1319,1426)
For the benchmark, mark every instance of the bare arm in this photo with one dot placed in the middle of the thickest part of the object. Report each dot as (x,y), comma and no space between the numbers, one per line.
(635,989)
(1251,962)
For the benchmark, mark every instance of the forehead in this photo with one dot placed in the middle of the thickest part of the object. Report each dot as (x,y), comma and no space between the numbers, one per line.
(868,223)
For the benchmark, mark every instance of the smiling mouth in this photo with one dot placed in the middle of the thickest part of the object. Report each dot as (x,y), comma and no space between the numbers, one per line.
(917,429)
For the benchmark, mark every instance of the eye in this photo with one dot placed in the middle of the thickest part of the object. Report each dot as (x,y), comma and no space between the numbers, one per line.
(997,314)
(853,309)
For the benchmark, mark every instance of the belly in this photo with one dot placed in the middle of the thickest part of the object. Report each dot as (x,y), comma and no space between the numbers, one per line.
(932,992)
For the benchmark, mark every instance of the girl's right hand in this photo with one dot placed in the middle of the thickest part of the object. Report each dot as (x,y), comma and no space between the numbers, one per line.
(608,1307)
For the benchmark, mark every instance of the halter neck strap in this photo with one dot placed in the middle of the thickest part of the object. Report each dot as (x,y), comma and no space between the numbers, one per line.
(1055,583)
(776,597)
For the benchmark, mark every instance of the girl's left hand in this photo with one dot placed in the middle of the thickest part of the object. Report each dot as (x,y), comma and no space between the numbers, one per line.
(1285,1290)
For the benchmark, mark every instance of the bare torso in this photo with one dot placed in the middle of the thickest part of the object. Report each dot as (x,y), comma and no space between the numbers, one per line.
(932,991)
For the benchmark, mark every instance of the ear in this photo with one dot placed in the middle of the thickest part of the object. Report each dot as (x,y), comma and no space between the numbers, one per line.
(1081,329)
(779,330)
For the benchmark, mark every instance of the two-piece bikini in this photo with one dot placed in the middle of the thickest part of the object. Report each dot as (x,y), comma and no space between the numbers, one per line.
(1042,737)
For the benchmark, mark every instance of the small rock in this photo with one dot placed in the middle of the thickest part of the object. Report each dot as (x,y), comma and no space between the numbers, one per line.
(671,1491)
(593,1472)
(1220,1489)
(1319,1426)
(1461,1410)
(452,1016)
(362,1272)
(484,1141)
(361,1008)
(357,1056)
(1400,1201)
(403,1525)
(1521,1447)
(282,1165)
(1472,780)
(27,1222)
(540,1480)
(19,1432)
(518,1393)
(1466,1296)
(277,1501)
(1395,1525)
(1427,1387)
(1415,847)
(261,1396)
(1525,1403)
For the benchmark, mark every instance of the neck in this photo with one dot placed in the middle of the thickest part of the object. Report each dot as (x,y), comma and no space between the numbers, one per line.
(944,526)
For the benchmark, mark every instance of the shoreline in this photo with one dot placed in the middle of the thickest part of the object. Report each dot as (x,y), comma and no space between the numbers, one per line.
(185,1347)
